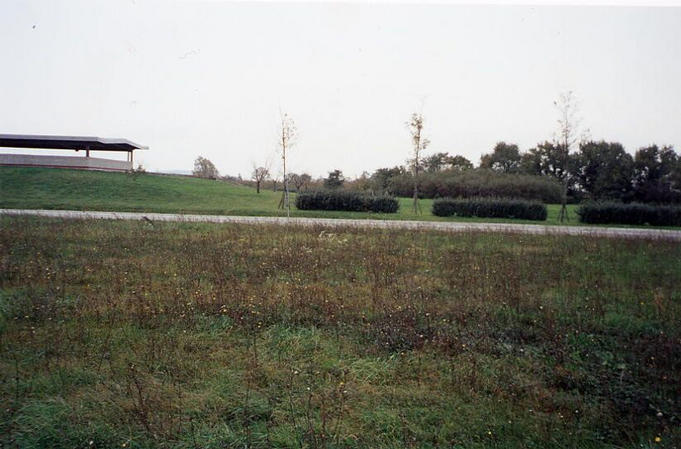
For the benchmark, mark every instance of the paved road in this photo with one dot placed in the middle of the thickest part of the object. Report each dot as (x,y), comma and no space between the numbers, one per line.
(380,224)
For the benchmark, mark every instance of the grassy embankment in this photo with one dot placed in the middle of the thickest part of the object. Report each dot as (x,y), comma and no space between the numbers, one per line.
(43,188)
(185,335)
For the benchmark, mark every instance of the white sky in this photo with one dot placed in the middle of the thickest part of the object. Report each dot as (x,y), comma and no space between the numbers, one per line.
(209,78)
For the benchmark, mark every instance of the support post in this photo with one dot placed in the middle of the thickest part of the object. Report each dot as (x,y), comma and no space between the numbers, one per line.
(87,151)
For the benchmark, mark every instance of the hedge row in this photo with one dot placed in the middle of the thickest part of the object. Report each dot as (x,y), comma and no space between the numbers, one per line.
(477,183)
(346,200)
(490,208)
(630,213)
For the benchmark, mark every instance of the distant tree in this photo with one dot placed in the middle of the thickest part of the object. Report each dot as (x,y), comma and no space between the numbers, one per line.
(546,159)
(362,183)
(381,178)
(203,168)
(458,163)
(335,180)
(604,170)
(657,176)
(286,141)
(436,162)
(443,161)
(300,181)
(259,175)
(419,143)
(505,158)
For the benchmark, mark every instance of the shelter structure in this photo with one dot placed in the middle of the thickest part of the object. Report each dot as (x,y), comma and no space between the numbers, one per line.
(76,143)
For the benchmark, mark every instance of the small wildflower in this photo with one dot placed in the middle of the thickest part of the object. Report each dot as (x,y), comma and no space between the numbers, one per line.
(658,439)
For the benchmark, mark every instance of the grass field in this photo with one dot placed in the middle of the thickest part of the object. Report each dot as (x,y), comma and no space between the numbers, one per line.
(44,188)
(185,335)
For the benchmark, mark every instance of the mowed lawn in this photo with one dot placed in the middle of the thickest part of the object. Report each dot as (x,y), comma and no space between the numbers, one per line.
(44,188)
(181,335)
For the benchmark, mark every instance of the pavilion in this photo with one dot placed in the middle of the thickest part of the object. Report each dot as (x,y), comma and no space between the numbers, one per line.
(76,143)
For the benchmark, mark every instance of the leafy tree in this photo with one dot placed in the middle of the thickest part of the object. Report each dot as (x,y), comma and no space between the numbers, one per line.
(459,163)
(657,175)
(443,161)
(381,179)
(505,158)
(546,159)
(203,168)
(436,162)
(335,180)
(259,175)
(604,170)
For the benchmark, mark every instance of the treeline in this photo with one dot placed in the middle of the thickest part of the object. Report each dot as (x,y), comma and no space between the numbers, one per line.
(597,171)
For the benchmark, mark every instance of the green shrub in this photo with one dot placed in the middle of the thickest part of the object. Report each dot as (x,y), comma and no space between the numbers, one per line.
(630,213)
(477,183)
(490,208)
(346,201)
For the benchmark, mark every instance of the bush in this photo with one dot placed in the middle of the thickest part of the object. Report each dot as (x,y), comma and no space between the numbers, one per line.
(490,208)
(346,201)
(478,183)
(631,213)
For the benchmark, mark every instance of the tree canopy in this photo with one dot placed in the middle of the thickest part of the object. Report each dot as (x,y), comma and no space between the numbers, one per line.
(203,168)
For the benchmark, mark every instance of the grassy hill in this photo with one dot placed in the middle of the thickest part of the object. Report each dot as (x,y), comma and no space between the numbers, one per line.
(48,188)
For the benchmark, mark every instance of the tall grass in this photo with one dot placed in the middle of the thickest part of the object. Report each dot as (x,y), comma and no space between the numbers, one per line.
(184,335)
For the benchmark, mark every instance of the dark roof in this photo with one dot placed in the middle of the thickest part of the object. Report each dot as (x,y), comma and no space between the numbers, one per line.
(68,143)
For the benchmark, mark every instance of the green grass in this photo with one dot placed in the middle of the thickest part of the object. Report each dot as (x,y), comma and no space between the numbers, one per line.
(44,188)
(47,188)
(187,335)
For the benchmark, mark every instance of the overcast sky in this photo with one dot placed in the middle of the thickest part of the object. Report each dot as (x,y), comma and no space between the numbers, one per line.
(210,78)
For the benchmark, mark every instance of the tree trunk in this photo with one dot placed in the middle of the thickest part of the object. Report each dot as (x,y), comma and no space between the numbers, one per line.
(417,206)
(563,216)
(257,187)
(286,199)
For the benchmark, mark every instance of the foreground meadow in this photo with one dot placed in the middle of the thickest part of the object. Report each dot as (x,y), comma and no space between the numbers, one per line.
(179,335)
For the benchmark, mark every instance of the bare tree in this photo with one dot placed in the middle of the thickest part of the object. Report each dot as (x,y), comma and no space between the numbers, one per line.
(567,137)
(259,175)
(300,181)
(419,143)
(286,141)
